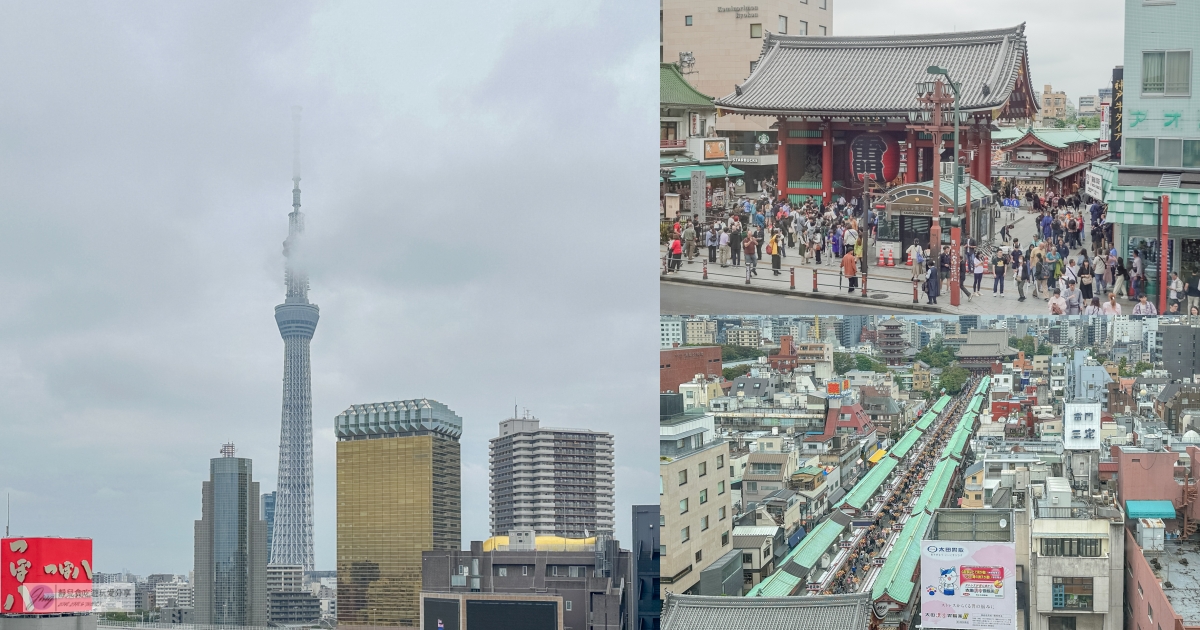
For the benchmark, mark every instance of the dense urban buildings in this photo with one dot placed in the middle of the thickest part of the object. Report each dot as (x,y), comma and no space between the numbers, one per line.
(1070,439)
(398,494)
(292,534)
(231,546)
(557,482)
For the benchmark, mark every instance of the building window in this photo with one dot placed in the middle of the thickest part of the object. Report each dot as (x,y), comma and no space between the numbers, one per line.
(720,487)
(1150,613)
(687,20)
(703,496)
(703,469)
(720,461)
(783,25)
(1167,72)
(501,571)
(668,130)
(567,605)
(755,30)
(724,538)
(685,534)
(747,558)
(704,523)
(553,570)
(753,66)
(803,28)
(524,569)
(823,31)
(1072,547)
(683,477)
(823,4)
(1140,593)
(1170,152)
(1138,151)
(683,506)
(721,514)
(1191,153)
(751,486)
(699,555)
(1072,593)
(1062,623)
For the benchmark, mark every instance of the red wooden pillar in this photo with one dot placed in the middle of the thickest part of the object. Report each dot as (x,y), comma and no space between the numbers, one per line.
(827,162)
(783,140)
(987,161)
(910,176)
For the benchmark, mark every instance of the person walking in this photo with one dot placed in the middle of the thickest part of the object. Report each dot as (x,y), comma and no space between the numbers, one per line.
(1058,305)
(1093,307)
(713,240)
(750,249)
(1086,277)
(1112,306)
(1193,291)
(1121,282)
(1021,277)
(944,264)
(998,267)
(850,269)
(933,284)
(1144,307)
(689,241)
(736,235)
(978,270)
(817,243)
(723,247)
(674,254)
(1175,288)
(773,249)
(1074,299)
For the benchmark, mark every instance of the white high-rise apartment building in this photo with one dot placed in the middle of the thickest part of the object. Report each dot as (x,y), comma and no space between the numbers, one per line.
(670,332)
(557,481)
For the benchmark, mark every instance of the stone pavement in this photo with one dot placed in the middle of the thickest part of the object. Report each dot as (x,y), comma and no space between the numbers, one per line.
(885,285)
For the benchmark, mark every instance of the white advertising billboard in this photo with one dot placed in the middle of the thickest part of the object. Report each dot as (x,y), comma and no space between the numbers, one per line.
(968,585)
(113,597)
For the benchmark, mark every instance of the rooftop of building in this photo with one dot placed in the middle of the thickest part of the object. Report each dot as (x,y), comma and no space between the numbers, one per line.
(397,417)
(674,89)
(821,612)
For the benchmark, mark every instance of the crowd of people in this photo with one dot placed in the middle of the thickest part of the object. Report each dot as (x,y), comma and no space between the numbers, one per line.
(908,488)
(767,230)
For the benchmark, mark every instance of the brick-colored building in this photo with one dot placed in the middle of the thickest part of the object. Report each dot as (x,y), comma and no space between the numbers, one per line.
(680,365)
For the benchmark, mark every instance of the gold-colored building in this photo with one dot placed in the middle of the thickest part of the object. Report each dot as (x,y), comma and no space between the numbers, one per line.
(398,494)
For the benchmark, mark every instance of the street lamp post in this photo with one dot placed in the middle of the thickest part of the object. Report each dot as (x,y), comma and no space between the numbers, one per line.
(728,193)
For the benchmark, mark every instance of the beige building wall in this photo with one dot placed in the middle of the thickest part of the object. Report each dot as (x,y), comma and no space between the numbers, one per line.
(708,523)
(1054,104)
(721,41)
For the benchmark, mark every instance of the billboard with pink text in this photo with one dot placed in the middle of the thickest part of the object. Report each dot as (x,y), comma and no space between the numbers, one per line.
(968,585)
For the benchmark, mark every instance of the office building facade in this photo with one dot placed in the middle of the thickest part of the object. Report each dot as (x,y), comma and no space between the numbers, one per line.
(231,546)
(559,482)
(398,495)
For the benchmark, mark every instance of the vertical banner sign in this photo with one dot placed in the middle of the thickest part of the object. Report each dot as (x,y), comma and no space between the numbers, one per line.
(699,192)
(1118,113)
(1094,186)
(42,576)
(968,585)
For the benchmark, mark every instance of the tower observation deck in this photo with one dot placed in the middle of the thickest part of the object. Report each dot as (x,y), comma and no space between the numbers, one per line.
(292,536)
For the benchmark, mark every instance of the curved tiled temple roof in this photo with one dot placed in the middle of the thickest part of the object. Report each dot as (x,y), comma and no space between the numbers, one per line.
(822,75)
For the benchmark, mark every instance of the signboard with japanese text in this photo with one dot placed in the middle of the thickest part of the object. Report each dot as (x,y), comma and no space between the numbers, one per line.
(968,585)
(699,192)
(41,576)
(874,156)
(1093,185)
(1118,114)
(114,597)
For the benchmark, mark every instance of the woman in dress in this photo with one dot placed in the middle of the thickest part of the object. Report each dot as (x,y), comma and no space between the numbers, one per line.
(1086,278)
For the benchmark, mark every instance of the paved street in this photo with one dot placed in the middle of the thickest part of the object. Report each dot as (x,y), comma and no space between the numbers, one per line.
(891,286)
(681,299)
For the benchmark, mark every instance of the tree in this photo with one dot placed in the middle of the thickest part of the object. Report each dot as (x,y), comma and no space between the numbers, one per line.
(1026,344)
(731,353)
(1045,348)
(937,353)
(843,362)
(1141,366)
(731,373)
(866,364)
(953,379)
(1090,122)
(1123,367)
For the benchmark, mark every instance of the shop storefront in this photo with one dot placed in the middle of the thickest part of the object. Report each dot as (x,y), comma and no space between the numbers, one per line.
(908,213)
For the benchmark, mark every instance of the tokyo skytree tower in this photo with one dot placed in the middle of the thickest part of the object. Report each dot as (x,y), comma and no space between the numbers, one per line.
(292,536)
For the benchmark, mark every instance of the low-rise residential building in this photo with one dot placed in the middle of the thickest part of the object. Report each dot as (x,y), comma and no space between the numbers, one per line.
(697,511)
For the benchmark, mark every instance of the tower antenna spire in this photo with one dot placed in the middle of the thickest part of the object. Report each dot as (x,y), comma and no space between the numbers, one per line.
(292,530)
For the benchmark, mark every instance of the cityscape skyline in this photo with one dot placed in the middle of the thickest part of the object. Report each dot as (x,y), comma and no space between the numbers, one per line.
(128,398)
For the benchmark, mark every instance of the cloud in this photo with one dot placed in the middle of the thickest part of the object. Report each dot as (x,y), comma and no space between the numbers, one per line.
(471,179)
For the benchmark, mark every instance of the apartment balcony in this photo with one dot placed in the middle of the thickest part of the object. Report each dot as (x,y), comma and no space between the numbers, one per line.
(672,145)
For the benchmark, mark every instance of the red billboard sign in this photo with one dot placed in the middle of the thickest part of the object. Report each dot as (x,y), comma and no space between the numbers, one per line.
(41,576)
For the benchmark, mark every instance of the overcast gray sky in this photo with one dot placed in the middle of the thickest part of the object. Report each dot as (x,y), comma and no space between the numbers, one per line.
(476,178)
(1073,44)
